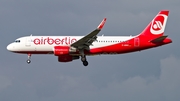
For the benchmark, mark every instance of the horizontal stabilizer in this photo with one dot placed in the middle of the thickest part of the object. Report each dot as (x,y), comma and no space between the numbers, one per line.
(159,39)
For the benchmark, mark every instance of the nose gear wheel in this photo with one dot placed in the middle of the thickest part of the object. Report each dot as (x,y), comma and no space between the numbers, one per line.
(29,57)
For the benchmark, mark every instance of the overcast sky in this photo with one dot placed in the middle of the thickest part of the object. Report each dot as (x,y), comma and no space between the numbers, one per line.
(150,75)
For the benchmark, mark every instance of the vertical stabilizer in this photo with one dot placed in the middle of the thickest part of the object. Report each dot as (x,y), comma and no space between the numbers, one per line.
(157,26)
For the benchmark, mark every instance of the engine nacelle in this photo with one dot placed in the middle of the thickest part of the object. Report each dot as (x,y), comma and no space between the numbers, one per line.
(63,50)
(67,58)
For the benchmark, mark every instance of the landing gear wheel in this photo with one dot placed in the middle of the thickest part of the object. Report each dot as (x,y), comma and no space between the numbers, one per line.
(83,57)
(29,57)
(85,63)
(28,61)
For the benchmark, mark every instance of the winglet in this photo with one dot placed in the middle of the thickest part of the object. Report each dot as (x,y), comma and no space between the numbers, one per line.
(101,25)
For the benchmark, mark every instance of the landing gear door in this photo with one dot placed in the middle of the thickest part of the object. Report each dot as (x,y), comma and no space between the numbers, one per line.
(28,41)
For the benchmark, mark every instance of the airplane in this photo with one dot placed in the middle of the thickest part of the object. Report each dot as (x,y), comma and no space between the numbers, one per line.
(69,48)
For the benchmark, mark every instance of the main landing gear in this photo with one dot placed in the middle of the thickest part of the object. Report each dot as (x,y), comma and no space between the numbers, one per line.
(83,58)
(28,60)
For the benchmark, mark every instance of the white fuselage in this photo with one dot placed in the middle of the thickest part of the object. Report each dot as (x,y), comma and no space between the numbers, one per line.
(47,43)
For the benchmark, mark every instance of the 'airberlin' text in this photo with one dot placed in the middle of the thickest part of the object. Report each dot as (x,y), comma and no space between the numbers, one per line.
(56,41)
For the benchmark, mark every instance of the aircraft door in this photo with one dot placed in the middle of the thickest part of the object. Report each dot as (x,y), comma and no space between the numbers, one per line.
(28,42)
(136,42)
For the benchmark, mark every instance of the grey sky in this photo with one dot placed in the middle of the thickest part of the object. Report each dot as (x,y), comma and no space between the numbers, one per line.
(150,75)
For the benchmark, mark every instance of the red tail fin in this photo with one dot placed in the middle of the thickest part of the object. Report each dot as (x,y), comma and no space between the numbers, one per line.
(157,26)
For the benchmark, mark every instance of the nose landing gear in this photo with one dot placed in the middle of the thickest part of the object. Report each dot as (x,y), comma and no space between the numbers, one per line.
(29,57)
(28,61)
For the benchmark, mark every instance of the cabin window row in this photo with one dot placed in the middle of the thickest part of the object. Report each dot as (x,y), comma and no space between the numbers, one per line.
(109,41)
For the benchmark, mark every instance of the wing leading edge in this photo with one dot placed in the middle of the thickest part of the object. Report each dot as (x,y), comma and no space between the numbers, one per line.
(87,40)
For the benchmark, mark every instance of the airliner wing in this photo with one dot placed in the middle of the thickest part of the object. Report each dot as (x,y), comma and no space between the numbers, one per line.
(87,40)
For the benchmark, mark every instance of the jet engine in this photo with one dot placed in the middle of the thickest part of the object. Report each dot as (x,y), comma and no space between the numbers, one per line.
(67,58)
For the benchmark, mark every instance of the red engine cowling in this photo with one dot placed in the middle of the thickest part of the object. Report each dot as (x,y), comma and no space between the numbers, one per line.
(61,50)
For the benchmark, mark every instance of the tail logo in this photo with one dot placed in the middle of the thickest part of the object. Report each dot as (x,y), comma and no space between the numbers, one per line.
(158,24)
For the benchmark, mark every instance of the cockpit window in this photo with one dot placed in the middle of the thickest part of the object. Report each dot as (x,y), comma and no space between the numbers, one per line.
(17,41)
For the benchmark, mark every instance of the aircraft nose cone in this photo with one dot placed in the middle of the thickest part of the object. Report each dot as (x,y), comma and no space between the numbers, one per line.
(9,47)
